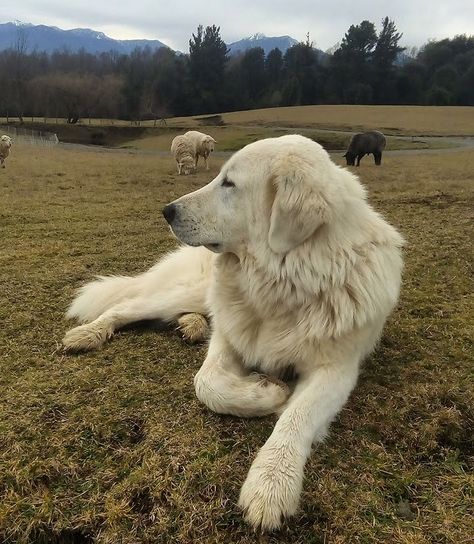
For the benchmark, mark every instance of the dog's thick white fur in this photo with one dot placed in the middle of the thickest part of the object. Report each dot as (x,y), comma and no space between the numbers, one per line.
(5,145)
(303,275)
(202,144)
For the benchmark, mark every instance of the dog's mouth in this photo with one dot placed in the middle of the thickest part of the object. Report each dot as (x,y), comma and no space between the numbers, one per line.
(190,238)
(216,248)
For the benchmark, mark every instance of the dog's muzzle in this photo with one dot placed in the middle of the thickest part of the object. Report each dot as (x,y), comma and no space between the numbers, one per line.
(169,213)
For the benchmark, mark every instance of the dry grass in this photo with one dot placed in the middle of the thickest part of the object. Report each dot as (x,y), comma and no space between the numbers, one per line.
(229,137)
(407,120)
(113,447)
(233,138)
(411,120)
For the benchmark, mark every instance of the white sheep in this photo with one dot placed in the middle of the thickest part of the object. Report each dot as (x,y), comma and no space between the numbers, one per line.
(183,152)
(5,144)
(202,144)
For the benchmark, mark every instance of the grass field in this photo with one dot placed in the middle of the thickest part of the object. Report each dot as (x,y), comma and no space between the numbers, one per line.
(229,137)
(113,447)
(411,120)
(232,138)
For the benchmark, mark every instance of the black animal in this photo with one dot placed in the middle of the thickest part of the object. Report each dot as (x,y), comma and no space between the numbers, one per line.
(365,143)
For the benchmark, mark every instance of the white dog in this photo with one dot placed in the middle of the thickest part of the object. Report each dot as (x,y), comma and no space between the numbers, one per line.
(302,276)
(5,145)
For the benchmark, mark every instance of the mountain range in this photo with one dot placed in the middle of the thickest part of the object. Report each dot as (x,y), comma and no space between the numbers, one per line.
(51,38)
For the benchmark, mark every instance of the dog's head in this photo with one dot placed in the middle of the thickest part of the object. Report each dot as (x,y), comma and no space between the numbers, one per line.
(276,192)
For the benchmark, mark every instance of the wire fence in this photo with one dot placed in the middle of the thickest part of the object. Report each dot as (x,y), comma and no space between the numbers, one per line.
(29,136)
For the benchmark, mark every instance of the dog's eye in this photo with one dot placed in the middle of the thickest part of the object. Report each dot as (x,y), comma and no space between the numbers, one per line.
(227,183)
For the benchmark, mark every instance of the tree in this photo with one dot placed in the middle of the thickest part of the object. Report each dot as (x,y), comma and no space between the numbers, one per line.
(438,96)
(273,78)
(409,83)
(147,84)
(18,72)
(448,64)
(252,68)
(136,79)
(274,67)
(301,70)
(170,83)
(384,55)
(359,41)
(465,89)
(207,61)
(350,65)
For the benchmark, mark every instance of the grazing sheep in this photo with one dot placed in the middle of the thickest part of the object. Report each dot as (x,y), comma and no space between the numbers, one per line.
(203,145)
(183,152)
(365,143)
(5,144)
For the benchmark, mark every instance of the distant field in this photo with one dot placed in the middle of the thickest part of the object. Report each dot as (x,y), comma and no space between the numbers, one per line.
(393,120)
(233,138)
(229,137)
(407,120)
(113,447)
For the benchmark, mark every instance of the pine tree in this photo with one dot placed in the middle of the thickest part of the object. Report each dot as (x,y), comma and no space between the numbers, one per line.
(385,54)
(351,65)
(207,61)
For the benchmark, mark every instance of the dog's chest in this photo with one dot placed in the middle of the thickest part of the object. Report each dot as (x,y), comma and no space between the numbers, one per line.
(263,332)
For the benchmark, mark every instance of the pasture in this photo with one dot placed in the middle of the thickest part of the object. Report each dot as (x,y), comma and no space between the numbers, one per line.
(406,120)
(113,447)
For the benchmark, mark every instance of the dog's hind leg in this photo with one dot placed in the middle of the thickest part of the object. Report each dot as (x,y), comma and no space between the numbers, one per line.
(183,307)
(193,327)
(226,387)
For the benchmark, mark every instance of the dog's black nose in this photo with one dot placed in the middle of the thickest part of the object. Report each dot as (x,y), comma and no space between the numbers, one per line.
(169,212)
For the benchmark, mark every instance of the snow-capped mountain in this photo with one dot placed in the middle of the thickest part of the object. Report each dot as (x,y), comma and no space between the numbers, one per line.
(50,38)
(267,43)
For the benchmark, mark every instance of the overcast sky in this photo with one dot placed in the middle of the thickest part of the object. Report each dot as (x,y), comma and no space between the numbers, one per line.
(173,22)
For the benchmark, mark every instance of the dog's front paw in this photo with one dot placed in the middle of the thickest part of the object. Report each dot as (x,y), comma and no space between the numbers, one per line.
(270,493)
(86,337)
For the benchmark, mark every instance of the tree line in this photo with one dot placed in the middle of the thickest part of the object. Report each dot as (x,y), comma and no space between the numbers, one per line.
(367,67)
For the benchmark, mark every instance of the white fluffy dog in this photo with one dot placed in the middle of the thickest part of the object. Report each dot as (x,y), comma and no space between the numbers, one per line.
(5,145)
(302,276)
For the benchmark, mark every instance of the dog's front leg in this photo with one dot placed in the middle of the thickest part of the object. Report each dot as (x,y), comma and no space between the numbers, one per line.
(273,485)
(226,387)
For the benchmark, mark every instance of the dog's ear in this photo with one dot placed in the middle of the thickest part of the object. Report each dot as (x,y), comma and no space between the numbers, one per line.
(298,209)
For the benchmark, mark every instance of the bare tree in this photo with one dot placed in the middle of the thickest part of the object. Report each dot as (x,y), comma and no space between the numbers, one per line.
(19,71)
